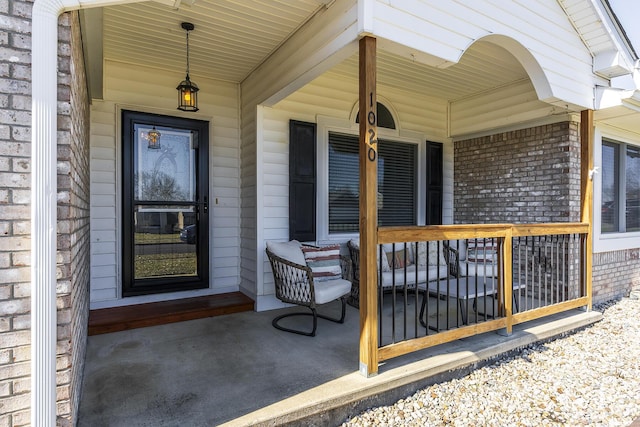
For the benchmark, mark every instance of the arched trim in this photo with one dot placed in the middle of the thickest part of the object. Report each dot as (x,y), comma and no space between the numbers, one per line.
(387,116)
(527,60)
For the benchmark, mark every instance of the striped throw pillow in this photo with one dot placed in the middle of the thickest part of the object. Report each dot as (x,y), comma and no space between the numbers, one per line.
(324,262)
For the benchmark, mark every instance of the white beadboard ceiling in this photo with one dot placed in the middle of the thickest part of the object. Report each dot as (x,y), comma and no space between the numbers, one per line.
(232,37)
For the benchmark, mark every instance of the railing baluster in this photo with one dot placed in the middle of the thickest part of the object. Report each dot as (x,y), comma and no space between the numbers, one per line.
(544,272)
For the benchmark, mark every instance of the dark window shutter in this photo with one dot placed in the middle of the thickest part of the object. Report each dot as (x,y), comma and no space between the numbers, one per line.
(302,181)
(434,183)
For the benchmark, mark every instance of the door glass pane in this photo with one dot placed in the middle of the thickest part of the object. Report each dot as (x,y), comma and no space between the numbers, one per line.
(165,172)
(632,172)
(165,241)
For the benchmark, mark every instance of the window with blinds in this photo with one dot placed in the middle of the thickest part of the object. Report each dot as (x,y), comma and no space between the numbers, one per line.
(397,183)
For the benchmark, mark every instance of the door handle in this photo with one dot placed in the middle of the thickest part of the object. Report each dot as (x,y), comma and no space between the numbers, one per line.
(205,206)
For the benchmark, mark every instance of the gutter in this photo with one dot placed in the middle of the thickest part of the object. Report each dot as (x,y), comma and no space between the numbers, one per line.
(44,51)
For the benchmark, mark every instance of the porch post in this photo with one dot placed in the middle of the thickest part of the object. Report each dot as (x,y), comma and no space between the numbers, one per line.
(586,198)
(368,209)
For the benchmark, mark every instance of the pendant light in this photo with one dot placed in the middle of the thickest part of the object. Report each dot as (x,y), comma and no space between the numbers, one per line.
(187,90)
(153,138)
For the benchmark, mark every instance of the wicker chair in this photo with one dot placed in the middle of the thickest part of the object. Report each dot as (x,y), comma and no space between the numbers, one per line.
(295,285)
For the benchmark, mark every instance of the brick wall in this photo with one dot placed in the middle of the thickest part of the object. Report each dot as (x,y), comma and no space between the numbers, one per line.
(73,240)
(532,176)
(15,152)
(615,274)
(73,217)
(525,176)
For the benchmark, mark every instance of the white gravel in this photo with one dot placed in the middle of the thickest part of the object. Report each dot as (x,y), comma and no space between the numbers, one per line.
(590,378)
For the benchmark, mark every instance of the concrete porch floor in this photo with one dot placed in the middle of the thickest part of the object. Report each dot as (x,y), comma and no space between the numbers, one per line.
(238,370)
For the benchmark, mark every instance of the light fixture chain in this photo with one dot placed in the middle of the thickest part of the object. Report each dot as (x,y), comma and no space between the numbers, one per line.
(187,52)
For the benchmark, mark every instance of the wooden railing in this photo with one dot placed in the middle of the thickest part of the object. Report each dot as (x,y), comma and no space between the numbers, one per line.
(539,271)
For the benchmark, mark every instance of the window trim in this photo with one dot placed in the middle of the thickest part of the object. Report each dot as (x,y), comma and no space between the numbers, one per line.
(331,124)
(614,241)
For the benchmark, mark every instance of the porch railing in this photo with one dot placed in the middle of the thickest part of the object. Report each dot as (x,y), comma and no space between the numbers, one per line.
(519,273)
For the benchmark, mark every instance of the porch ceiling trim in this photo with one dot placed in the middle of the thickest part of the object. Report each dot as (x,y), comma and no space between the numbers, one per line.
(44,48)
(327,39)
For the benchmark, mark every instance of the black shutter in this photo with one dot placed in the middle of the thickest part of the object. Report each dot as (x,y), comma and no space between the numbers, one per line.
(302,181)
(434,183)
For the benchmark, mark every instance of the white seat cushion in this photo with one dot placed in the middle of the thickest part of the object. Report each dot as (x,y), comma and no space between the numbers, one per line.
(434,272)
(329,290)
(290,251)
(478,268)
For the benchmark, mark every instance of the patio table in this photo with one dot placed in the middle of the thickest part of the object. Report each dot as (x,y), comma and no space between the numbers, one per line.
(463,289)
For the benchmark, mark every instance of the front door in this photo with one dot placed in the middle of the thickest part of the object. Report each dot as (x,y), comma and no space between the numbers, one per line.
(165,204)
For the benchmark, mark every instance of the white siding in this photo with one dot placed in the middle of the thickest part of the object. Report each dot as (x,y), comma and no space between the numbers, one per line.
(445,29)
(506,106)
(151,90)
(334,97)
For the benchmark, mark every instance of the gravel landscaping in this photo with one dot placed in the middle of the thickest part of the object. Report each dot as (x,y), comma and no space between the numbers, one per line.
(591,377)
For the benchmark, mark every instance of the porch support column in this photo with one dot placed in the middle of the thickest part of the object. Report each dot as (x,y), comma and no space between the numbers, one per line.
(586,198)
(368,209)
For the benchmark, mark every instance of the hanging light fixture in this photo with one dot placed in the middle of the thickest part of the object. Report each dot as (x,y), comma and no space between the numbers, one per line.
(153,137)
(187,90)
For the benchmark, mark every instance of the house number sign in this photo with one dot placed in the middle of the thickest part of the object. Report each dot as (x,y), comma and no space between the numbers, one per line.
(372,140)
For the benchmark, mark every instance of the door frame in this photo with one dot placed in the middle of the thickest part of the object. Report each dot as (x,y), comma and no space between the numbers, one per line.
(130,287)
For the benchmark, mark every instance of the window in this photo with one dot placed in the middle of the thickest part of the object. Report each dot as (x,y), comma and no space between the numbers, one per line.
(397,183)
(620,210)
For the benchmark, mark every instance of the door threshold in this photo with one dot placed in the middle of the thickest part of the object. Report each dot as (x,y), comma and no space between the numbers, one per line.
(107,320)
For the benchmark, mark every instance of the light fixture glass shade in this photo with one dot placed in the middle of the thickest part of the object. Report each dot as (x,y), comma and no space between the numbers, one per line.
(187,95)
(153,138)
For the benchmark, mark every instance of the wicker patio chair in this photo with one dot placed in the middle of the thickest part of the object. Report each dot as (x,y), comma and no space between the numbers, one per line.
(295,285)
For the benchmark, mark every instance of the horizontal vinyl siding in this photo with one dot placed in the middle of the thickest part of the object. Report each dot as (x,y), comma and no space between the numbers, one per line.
(333,96)
(446,29)
(515,103)
(248,233)
(150,90)
(105,211)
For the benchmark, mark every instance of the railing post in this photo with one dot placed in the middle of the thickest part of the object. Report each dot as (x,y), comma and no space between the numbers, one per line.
(586,200)
(507,256)
(368,209)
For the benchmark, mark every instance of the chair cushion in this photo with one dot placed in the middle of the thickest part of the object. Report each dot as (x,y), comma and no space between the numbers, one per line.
(329,290)
(482,250)
(433,272)
(435,255)
(385,262)
(290,251)
(461,247)
(486,269)
(399,258)
(324,262)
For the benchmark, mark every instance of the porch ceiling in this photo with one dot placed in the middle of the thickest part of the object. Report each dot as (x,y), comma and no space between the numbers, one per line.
(232,37)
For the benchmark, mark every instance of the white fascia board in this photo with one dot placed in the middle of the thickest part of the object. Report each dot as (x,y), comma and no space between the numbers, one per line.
(611,63)
(607,97)
(620,60)
(365,17)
